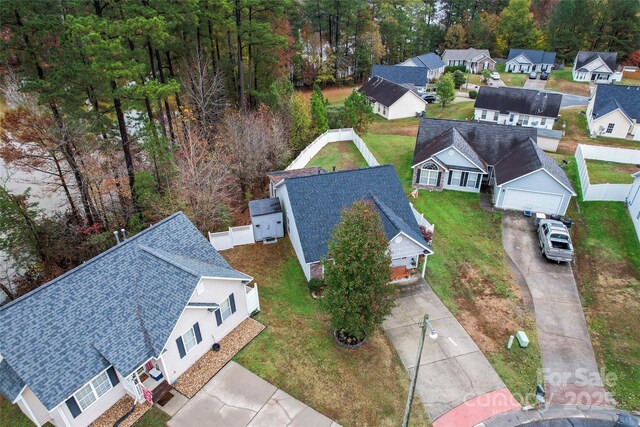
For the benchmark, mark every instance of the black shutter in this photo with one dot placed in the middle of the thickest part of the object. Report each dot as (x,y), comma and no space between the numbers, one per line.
(463,179)
(439,178)
(418,175)
(73,407)
(196,329)
(218,317)
(113,377)
(181,347)
(478,180)
(232,301)
(449,178)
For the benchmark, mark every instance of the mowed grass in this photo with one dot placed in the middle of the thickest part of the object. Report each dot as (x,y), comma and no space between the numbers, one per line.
(562,81)
(608,273)
(297,352)
(335,95)
(342,154)
(469,270)
(12,416)
(511,79)
(154,417)
(601,172)
(454,111)
(407,126)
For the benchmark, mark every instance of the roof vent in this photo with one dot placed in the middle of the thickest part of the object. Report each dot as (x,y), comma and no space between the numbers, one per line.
(124,234)
(115,233)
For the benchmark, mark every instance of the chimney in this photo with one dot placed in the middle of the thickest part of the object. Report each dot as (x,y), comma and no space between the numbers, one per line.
(334,168)
(115,233)
(124,234)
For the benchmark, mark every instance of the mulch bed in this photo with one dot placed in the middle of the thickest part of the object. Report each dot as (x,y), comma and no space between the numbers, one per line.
(208,365)
(118,410)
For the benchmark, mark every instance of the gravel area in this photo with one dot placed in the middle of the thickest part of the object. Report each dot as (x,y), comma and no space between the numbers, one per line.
(208,365)
(118,410)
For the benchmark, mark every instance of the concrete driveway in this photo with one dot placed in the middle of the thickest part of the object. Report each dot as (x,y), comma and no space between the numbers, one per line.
(569,364)
(453,370)
(536,83)
(237,397)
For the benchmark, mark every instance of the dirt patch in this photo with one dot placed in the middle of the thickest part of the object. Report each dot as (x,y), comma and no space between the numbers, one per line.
(562,85)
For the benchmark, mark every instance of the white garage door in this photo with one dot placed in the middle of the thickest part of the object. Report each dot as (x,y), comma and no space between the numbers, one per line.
(533,201)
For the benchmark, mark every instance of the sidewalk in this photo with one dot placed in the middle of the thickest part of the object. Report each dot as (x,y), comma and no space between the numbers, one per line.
(456,383)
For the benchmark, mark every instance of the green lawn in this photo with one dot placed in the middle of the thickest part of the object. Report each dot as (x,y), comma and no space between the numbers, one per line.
(608,273)
(601,172)
(562,81)
(297,352)
(469,271)
(154,417)
(455,111)
(343,155)
(511,79)
(12,416)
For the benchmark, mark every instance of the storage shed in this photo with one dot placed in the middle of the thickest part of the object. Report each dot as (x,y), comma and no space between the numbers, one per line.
(266,218)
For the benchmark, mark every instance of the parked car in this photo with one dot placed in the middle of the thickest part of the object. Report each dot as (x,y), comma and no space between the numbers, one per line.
(544,75)
(429,97)
(555,242)
(532,75)
(495,75)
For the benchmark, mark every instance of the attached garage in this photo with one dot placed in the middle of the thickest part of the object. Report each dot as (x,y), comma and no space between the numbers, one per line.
(521,200)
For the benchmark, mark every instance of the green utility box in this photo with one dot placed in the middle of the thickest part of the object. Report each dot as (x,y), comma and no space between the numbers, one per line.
(522,339)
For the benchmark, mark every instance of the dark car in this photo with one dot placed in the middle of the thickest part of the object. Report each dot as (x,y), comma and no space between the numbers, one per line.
(429,97)
(544,75)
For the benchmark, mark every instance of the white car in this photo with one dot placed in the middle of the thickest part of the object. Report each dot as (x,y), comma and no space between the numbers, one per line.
(495,75)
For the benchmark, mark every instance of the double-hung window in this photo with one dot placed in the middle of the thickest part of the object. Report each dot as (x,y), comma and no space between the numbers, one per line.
(225,309)
(189,340)
(525,120)
(543,121)
(472,180)
(610,127)
(495,116)
(93,390)
(484,114)
(429,174)
(456,176)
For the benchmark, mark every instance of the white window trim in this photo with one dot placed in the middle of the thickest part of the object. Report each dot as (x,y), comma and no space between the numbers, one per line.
(93,390)
(456,175)
(543,121)
(475,179)
(496,115)
(222,316)
(483,115)
(428,175)
(184,341)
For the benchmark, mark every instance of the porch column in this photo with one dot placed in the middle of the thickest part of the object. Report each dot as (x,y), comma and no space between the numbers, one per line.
(424,265)
(31,414)
(165,370)
(64,417)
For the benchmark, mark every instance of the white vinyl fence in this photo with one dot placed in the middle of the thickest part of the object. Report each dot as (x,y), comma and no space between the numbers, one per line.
(236,236)
(332,135)
(602,192)
(421,219)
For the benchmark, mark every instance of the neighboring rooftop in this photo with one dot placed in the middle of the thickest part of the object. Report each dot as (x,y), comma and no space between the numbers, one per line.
(118,308)
(317,201)
(517,100)
(511,150)
(610,97)
(384,91)
(400,74)
(264,206)
(278,176)
(470,54)
(429,60)
(586,57)
(534,56)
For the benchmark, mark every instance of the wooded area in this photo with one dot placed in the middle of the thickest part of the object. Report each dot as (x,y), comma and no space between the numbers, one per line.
(134,109)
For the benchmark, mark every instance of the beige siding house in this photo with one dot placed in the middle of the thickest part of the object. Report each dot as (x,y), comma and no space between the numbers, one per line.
(614,112)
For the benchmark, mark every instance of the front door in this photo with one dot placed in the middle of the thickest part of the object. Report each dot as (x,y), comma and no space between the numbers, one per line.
(593,76)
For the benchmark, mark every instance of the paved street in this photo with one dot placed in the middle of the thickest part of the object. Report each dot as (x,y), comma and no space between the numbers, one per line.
(237,397)
(570,369)
(453,370)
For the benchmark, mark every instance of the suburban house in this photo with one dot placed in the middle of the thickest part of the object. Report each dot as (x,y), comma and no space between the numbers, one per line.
(526,61)
(392,101)
(596,67)
(475,60)
(633,202)
(503,160)
(312,206)
(430,61)
(614,111)
(405,76)
(129,321)
(515,106)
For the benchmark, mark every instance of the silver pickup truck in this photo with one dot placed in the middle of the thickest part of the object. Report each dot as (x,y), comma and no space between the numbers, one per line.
(555,242)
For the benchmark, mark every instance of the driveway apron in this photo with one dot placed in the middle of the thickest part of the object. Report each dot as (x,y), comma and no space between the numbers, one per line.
(453,370)
(569,364)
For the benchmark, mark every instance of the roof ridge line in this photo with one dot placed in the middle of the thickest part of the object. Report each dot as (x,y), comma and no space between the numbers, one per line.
(90,261)
(160,255)
(340,171)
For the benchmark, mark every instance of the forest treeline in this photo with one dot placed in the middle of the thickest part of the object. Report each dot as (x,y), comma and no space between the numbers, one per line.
(133,109)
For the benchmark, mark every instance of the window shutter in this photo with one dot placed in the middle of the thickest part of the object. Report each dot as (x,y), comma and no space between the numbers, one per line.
(232,301)
(463,179)
(218,317)
(449,178)
(439,178)
(181,347)
(196,329)
(418,175)
(478,180)
(73,406)
(113,377)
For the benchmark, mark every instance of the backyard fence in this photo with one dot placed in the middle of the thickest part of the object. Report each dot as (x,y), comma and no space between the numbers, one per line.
(421,220)
(332,135)
(602,192)
(236,236)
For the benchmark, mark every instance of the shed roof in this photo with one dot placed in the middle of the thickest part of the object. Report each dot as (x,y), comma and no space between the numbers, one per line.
(118,308)
(610,97)
(535,56)
(517,100)
(264,206)
(317,202)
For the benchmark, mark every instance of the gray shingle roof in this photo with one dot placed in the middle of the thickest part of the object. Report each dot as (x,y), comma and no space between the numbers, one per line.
(317,201)
(450,138)
(11,382)
(523,101)
(264,206)
(278,176)
(535,56)
(609,97)
(512,150)
(399,74)
(429,60)
(469,54)
(383,91)
(116,309)
(585,57)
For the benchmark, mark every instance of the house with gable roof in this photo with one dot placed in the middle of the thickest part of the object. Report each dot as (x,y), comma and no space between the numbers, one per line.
(527,60)
(614,111)
(129,321)
(475,60)
(430,61)
(312,205)
(503,160)
(391,100)
(598,67)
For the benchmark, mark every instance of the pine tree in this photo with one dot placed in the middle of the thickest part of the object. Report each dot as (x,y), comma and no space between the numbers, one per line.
(319,121)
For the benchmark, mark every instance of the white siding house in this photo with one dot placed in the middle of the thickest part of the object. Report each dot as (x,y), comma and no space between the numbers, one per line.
(633,203)
(392,101)
(526,61)
(614,111)
(597,67)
